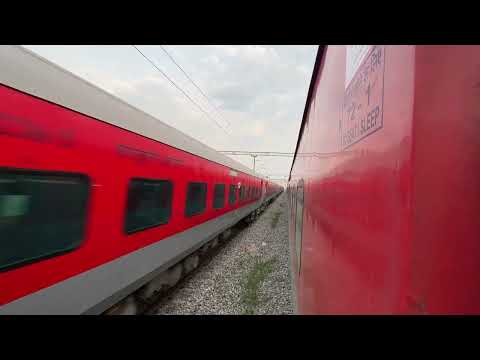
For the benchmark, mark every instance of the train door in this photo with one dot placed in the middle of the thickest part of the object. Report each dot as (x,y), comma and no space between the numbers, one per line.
(292,225)
(299,204)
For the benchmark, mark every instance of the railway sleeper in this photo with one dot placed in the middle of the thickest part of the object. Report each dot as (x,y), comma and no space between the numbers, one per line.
(165,280)
(190,263)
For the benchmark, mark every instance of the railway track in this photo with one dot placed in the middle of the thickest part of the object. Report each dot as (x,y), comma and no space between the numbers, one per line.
(147,299)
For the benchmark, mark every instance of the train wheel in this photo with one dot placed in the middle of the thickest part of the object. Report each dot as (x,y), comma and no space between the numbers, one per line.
(191,263)
(127,306)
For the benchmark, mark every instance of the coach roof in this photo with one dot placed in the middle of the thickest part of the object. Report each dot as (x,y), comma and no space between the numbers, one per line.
(28,72)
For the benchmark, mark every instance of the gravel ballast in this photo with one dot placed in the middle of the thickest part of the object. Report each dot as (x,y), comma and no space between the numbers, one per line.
(249,275)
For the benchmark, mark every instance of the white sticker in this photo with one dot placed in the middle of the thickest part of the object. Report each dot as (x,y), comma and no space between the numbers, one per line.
(355,56)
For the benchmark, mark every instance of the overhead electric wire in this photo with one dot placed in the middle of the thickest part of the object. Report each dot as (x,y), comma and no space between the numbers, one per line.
(193,82)
(179,88)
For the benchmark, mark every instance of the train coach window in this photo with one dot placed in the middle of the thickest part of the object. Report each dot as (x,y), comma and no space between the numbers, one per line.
(149,204)
(231,195)
(242,192)
(219,196)
(196,198)
(42,214)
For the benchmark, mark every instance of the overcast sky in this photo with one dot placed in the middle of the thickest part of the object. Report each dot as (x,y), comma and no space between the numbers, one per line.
(258,92)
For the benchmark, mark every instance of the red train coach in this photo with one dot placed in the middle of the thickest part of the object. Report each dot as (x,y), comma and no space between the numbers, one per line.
(384,189)
(97,198)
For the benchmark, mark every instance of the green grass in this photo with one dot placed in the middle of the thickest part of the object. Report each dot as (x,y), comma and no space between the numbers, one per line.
(275,218)
(253,280)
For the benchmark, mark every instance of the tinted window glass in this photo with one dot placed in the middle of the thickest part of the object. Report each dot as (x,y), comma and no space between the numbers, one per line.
(41,215)
(231,195)
(149,203)
(196,198)
(219,196)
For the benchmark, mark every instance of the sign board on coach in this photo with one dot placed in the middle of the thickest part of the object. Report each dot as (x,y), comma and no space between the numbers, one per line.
(362,112)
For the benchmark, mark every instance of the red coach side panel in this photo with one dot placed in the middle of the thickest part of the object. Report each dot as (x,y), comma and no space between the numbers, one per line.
(354,160)
(388,161)
(445,269)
